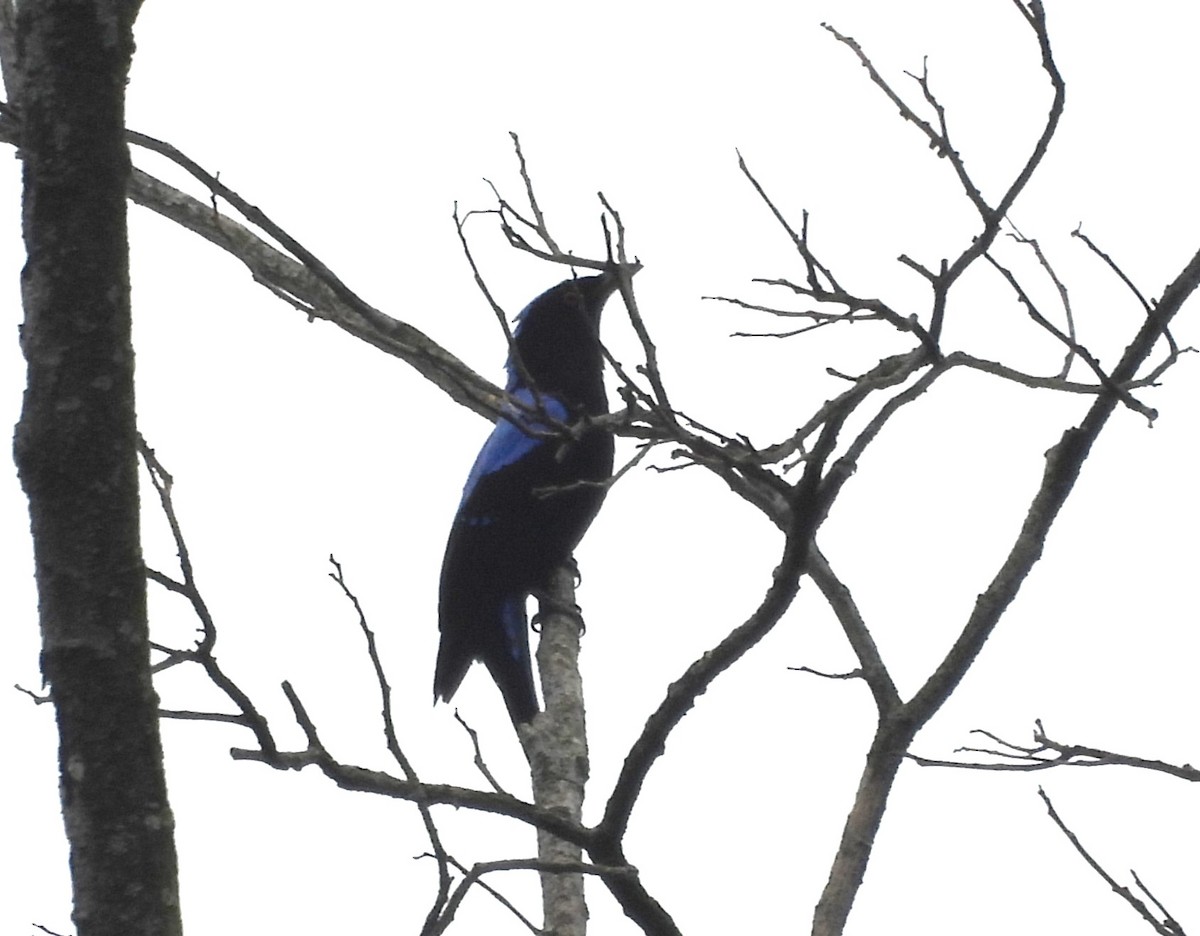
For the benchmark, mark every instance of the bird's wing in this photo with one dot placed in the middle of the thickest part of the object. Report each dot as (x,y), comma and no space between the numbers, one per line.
(515,436)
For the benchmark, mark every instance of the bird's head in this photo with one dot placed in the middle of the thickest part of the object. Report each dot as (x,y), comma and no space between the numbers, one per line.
(580,297)
(557,336)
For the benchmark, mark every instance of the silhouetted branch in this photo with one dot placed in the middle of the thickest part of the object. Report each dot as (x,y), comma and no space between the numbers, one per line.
(823,287)
(1063,464)
(1165,927)
(1075,349)
(362,780)
(1064,295)
(316,754)
(871,665)
(1112,265)
(301,279)
(962,359)
(617,261)
(460,892)
(650,369)
(1173,349)
(202,653)
(938,138)
(810,501)
(837,677)
(540,220)
(479,762)
(552,253)
(819,319)
(1045,753)
(899,723)
(398,755)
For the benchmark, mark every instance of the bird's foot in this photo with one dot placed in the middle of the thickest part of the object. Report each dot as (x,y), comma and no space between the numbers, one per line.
(548,605)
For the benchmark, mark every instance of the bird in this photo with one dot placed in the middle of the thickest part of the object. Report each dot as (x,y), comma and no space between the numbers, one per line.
(533,490)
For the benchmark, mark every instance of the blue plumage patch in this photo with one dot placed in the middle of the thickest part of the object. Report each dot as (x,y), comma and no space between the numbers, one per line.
(515,436)
(516,639)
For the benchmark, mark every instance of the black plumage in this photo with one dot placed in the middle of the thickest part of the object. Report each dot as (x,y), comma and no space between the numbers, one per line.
(524,508)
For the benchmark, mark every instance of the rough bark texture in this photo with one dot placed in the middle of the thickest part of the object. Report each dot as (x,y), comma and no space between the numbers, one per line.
(76,454)
(558,757)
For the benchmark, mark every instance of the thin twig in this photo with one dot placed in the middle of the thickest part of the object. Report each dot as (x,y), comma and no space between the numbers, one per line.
(1165,927)
(393,746)
(1046,753)
(1086,356)
(202,653)
(1063,294)
(480,763)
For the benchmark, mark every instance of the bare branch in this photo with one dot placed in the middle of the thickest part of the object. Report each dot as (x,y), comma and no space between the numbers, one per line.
(1112,265)
(510,341)
(896,371)
(962,359)
(220,717)
(540,220)
(939,141)
(889,372)
(1075,348)
(474,877)
(871,665)
(304,287)
(818,318)
(1168,921)
(811,500)
(1063,294)
(1165,927)
(836,677)
(460,892)
(38,698)
(1045,753)
(393,746)
(661,402)
(249,716)
(818,274)
(1173,349)
(480,763)
(1063,464)
(1035,16)
(360,779)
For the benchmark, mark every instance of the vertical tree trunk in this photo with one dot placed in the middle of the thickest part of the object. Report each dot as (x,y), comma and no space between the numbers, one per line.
(558,756)
(76,454)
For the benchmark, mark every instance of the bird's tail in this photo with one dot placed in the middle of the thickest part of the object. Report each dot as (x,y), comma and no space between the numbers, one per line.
(499,637)
(510,664)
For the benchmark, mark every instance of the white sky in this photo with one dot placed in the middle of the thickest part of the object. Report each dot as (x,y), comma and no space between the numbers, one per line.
(358,131)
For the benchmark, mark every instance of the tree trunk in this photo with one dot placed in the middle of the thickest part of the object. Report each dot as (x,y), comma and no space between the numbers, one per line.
(557,750)
(76,455)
